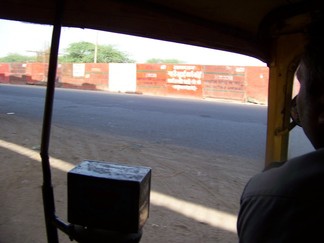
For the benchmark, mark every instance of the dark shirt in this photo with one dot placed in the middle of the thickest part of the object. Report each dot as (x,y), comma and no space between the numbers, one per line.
(286,203)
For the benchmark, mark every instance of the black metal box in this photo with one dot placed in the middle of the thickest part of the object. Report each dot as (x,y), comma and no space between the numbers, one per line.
(109,196)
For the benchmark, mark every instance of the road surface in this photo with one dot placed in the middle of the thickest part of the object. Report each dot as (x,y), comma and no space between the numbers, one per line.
(230,128)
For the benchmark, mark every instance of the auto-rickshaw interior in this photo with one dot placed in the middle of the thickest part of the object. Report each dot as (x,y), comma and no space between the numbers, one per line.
(271,31)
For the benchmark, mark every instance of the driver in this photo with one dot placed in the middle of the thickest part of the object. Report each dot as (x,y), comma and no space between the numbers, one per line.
(286,203)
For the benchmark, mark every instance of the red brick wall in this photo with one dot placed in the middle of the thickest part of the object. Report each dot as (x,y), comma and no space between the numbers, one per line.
(257,79)
(93,77)
(4,72)
(97,74)
(246,84)
(150,79)
(18,73)
(224,82)
(37,73)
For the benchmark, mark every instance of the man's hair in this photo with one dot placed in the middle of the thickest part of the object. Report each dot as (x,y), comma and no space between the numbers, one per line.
(313,56)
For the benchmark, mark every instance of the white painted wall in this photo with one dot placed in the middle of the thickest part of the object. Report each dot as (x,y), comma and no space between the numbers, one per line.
(122,77)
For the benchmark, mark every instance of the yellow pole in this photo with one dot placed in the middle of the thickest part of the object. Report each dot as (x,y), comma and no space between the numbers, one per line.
(282,68)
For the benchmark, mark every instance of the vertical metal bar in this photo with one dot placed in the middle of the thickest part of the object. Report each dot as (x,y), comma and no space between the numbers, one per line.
(284,56)
(47,188)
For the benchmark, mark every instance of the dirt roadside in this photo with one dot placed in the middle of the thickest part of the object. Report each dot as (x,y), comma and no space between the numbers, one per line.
(195,194)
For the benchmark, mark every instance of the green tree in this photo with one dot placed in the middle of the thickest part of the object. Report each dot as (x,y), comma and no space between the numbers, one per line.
(83,52)
(15,57)
(109,54)
(166,61)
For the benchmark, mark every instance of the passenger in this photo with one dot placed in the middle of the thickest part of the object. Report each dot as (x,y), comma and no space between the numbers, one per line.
(286,203)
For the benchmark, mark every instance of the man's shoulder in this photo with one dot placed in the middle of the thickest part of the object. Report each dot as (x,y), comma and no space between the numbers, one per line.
(289,178)
(290,195)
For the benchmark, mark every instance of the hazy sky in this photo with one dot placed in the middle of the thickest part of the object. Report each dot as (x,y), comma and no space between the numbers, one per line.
(25,39)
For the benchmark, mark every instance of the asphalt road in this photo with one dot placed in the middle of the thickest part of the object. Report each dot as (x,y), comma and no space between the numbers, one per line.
(229,128)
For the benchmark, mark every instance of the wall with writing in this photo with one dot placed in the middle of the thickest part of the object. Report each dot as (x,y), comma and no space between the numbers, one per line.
(224,82)
(245,84)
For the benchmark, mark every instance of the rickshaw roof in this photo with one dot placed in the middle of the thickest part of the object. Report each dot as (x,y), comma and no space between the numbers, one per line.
(244,27)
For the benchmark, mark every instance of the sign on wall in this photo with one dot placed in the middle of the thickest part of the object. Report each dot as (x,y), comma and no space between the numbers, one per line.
(184,79)
(78,69)
(224,82)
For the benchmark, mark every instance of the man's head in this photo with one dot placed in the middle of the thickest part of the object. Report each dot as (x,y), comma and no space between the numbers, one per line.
(310,100)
